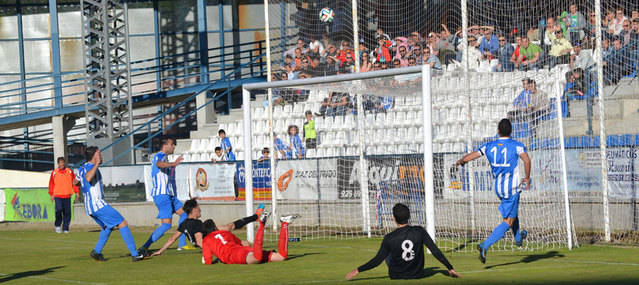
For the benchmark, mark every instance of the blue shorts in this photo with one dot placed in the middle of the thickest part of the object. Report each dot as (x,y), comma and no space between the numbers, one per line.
(107,217)
(509,207)
(167,205)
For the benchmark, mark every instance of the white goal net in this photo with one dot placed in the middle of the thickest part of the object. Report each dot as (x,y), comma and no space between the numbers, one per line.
(380,143)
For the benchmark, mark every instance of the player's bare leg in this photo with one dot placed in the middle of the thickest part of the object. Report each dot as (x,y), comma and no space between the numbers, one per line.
(256,256)
(282,245)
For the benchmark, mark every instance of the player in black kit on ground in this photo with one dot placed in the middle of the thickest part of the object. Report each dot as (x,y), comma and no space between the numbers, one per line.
(403,250)
(196,230)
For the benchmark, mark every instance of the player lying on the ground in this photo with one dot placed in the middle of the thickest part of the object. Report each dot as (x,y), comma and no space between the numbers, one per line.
(403,250)
(104,215)
(503,155)
(196,230)
(231,250)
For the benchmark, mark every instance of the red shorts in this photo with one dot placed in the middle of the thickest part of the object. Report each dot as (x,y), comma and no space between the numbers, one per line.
(238,255)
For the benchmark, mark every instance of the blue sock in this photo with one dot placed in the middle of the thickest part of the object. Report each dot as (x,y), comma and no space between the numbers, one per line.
(516,231)
(104,237)
(125,232)
(157,234)
(497,234)
(182,239)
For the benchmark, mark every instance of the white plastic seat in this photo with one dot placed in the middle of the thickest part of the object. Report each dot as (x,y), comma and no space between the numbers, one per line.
(310,153)
(195,146)
(330,152)
(319,152)
(187,157)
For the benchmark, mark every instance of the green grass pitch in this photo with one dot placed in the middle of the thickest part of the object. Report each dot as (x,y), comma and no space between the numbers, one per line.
(35,256)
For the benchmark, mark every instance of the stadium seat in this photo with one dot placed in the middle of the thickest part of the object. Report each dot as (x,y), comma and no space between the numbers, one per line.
(195,146)
(349,123)
(319,123)
(310,153)
(239,155)
(298,110)
(320,152)
(187,157)
(203,145)
(330,152)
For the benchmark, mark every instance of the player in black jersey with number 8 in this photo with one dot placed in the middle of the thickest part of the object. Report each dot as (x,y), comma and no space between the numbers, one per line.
(403,250)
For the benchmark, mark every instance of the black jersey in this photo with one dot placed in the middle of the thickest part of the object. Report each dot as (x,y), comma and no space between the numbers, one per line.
(190,227)
(403,250)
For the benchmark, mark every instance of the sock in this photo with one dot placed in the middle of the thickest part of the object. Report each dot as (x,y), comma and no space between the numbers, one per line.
(127,237)
(157,234)
(257,245)
(244,221)
(104,237)
(182,239)
(497,234)
(282,245)
(515,229)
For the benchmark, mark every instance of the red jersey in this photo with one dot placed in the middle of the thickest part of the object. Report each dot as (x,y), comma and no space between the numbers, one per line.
(226,246)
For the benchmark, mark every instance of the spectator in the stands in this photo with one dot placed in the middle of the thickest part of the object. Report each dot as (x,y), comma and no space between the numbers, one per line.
(560,50)
(331,66)
(348,66)
(412,61)
(591,25)
(618,63)
(317,67)
(446,45)
(522,101)
(402,55)
(634,37)
(577,24)
(316,47)
(618,21)
(432,60)
(504,53)
(489,44)
(310,135)
(381,51)
(376,66)
(384,65)
(625,32)
(416,51)
(515,57)
(331,51)
(226,146)
(365,62)
(564,24)
(380,33)
(531,52)
(397,63)
(295,147)
(608,23)
(280,147)
(325,40)
(549,34)
(474,55)
(219,155)
(433,43)
(606,49)
(264,157)
(581,59)
(634,14)
(575,83)
(345,51)
(335,105)
(300,45)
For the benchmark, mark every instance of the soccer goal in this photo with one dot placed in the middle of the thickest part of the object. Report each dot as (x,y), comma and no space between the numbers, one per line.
(392,136)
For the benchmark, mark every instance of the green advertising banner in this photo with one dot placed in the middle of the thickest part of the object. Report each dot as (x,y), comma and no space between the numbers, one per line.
(32,205)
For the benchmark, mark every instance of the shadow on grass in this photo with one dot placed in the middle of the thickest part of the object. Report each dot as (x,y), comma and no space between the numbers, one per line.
(294,256)
(530,258)
(428,272)
(463,245)
(26,274)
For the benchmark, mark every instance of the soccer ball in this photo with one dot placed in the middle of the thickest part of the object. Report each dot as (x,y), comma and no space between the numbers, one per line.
(326,15)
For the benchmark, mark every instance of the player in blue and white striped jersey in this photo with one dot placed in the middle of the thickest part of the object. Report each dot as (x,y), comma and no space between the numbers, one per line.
(164,193)
(503,155)
(104,215)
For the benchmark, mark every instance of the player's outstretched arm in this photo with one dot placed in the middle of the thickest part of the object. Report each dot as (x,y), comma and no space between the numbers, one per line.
(469,157)
(168,243)
(524,156)
(382,253)
(430,244)
(162,164)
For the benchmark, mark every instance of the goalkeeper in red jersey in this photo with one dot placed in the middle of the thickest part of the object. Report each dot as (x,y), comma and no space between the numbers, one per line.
(231,250)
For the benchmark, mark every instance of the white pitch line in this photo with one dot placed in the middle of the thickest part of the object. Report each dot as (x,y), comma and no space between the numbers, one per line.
(599,262)
(55,279)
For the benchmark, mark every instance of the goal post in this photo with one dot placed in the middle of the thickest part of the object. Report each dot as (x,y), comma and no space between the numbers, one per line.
(392,136)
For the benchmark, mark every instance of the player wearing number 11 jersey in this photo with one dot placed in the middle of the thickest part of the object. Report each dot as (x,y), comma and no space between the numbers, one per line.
(503,155)
(403,250)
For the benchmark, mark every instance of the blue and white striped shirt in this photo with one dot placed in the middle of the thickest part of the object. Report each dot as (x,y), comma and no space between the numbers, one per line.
(91,190)
(503,155)
(163,178)
(227,149)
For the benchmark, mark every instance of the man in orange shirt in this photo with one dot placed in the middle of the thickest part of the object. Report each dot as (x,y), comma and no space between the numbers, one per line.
(61,188)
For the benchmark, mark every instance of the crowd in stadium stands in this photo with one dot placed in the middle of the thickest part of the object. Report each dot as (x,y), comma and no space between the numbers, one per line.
(556,40)
(552,42)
